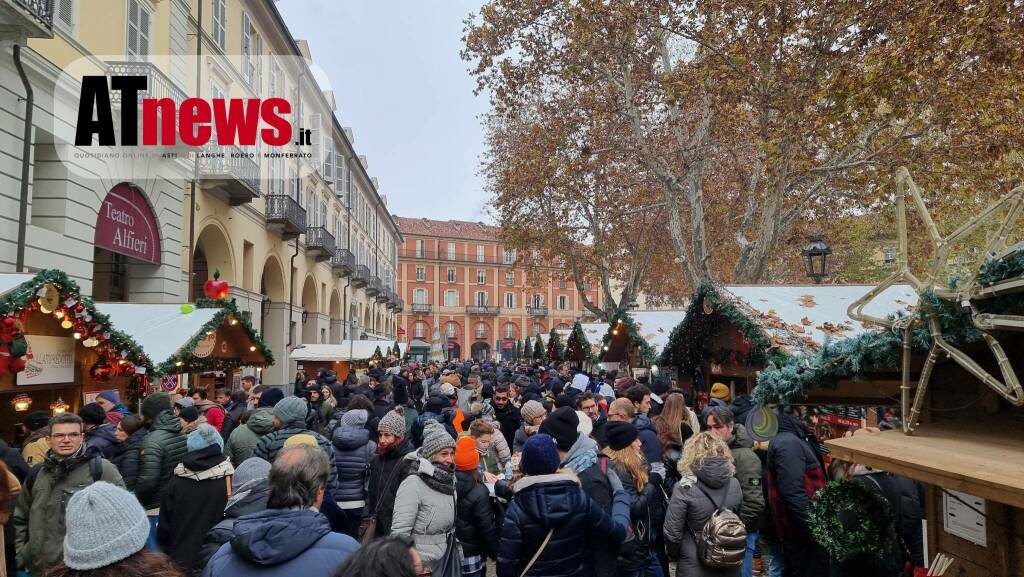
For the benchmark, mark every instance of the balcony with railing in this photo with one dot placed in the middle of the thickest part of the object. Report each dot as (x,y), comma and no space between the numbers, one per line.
(537,311)
(374,286)
(158,85)
(320,243)
(421,308)
(399,305)
(285,216)
(482,310)
(344,262)
(392,300)
(444,255)
(361,276)
(230,172)
(33,18)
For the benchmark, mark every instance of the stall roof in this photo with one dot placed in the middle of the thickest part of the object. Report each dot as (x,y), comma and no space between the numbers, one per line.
(11,281)
(654,326)
(970,455)
(796,316)
(160,329)
(360,351)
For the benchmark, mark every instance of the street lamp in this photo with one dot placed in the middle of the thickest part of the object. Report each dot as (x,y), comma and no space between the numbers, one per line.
(816,253)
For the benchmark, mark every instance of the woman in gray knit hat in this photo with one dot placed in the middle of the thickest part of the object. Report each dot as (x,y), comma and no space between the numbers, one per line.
(106,536)
(425,505)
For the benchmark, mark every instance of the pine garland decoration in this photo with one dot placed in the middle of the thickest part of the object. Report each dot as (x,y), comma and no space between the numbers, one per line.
(996,270)
(874,532)
(619,321)
(190,363)
(556,352)
(576,346)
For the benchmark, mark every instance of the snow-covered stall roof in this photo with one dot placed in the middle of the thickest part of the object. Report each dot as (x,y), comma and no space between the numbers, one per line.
(344,351)
(11,281)
(653,326)
(160,329)
(797,317)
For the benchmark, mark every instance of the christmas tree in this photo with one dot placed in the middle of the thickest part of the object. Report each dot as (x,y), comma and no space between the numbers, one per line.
(527,348)
(556,352)
(538,348)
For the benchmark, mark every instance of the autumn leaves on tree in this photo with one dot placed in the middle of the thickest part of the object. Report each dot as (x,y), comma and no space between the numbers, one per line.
(657,144)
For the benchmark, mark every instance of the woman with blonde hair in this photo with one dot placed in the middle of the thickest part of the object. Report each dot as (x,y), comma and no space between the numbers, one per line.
(636,556)
(707,485)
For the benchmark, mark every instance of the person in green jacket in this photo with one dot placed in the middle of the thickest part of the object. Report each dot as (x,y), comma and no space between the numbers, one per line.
(242,443)
(38,519)
(162,450)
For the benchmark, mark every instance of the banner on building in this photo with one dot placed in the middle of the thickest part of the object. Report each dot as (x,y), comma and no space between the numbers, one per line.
(49,360)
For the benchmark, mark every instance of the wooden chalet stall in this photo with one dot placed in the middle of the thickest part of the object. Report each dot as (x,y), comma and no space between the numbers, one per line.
(210,342)
(57,350)
(630,341)
(731,333)
(358,356)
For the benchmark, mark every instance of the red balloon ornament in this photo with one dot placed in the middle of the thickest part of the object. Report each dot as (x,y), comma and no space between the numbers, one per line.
(215,288)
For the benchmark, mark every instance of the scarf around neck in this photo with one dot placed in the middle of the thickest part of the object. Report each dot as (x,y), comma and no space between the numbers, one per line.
(438,479)
(61,467)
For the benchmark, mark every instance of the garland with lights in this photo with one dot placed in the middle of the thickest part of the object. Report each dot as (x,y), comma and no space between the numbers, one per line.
(183,361)
(52,292)
(874,530)
(576,346)
(556,352)
(622,321)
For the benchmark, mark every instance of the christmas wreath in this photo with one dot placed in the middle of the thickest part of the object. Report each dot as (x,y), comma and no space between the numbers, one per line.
(850,519)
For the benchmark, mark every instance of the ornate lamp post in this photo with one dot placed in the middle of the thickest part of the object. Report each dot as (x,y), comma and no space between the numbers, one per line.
(816,253)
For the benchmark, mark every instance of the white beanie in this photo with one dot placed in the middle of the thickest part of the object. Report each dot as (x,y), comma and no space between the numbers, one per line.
(105,524)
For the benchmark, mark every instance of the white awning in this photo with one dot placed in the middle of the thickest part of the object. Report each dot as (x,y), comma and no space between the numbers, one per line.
(344,351)
(160,329)
(11,281)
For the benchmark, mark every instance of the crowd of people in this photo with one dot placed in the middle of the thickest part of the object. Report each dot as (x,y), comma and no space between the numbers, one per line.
(439,469)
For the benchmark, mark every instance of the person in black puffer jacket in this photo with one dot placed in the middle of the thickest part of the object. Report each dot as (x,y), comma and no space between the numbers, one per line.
(99,435)
(129,433)
(250,489)
(353,451)
(550,503)
(432,411)
(162,449)
(474,516)
(387,470)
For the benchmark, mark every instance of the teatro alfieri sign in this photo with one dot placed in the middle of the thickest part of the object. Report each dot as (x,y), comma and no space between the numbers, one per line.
(126,225)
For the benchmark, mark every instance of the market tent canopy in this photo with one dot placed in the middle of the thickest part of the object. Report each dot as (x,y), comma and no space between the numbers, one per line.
(974,456)
(10,281)
(211,335)
(360,351)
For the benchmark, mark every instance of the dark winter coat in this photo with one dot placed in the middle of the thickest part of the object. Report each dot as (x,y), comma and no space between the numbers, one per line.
(192,504)
(232,419)
(600,426)
(911,511)
(557,502)
(101,440)
(600,553)
(689,509)
(281,543)
(162,450)
(126,457)
(386,473)
(748,473)
(474,517)
(792,464)
(14,462)
(650,443)
(243,440)
(382,407)
(522,435)
(508,420)
(353,452)
(740,406)
(271,444)
(635,554)
(250,498)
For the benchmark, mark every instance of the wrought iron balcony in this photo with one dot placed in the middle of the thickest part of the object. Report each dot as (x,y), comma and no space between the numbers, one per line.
(361,276)
(33,17)
(537,311)
(482,310)
(320,243)
(230,171)
(421,308)
(344,262)
(399,306)
(285,214)
(374,286)
(158,85)
(392,300)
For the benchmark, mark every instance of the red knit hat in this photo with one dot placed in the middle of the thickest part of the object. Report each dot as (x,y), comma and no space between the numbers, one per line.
(466,457)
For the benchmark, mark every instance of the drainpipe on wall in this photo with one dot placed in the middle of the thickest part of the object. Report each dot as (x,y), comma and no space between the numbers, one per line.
(195,162)
(26,154)
(291,292)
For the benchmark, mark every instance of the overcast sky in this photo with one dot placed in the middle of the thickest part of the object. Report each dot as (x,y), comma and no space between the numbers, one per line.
(399,83)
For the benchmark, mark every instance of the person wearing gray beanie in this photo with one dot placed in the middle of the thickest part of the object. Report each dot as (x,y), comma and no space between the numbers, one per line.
(533,415)
(104,524)
(353,451)
(290,420)
(195,498)
(356,418)
(250,489)
(425,503)
(435,439)
(393,423)
(291,411)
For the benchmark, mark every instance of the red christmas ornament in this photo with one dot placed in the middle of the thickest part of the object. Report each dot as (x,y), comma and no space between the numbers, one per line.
(101,371)
(17,365)
(79,308)
(215,288)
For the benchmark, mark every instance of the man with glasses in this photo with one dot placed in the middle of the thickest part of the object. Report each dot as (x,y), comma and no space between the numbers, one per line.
(38,516)
(505,413)
(587,403)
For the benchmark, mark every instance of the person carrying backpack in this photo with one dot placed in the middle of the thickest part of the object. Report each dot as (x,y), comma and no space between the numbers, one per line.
(703,529)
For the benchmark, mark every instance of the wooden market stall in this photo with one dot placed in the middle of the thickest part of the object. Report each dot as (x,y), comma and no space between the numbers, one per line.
(210,342)
(622,347)
(59,351)
(359,356)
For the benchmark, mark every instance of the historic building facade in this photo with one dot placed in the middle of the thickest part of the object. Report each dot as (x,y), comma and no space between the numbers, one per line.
(306,240)
(458,275)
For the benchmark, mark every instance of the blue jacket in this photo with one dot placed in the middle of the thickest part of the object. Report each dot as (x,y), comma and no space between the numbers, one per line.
(353,451)
(557,501)
(650,444)
(101,440)
(281,543)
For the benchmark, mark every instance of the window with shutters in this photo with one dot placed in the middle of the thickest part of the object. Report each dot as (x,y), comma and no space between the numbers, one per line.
(419,296)
(452,329)
(481,330)
(538,300)
(563,302)
(481,299)
(419,248)
(510,278)
(272,74)
(480,253)
(562,283)
(451,275)
(66,15)
(537,329)
(510,300)
(451,251)
(139,18)
(293,185)
(510,256)
(510,331)
(272,175)
(421,273)
(220,18)
(451,298)
(248,63)
(420,330)
(481,277)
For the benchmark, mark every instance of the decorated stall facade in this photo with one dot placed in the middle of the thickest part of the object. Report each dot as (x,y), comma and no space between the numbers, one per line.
(353,355)
(622,347)
(57,350)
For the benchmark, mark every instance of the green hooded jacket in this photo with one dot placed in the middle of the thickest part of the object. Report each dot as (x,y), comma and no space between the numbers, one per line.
(242,443)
